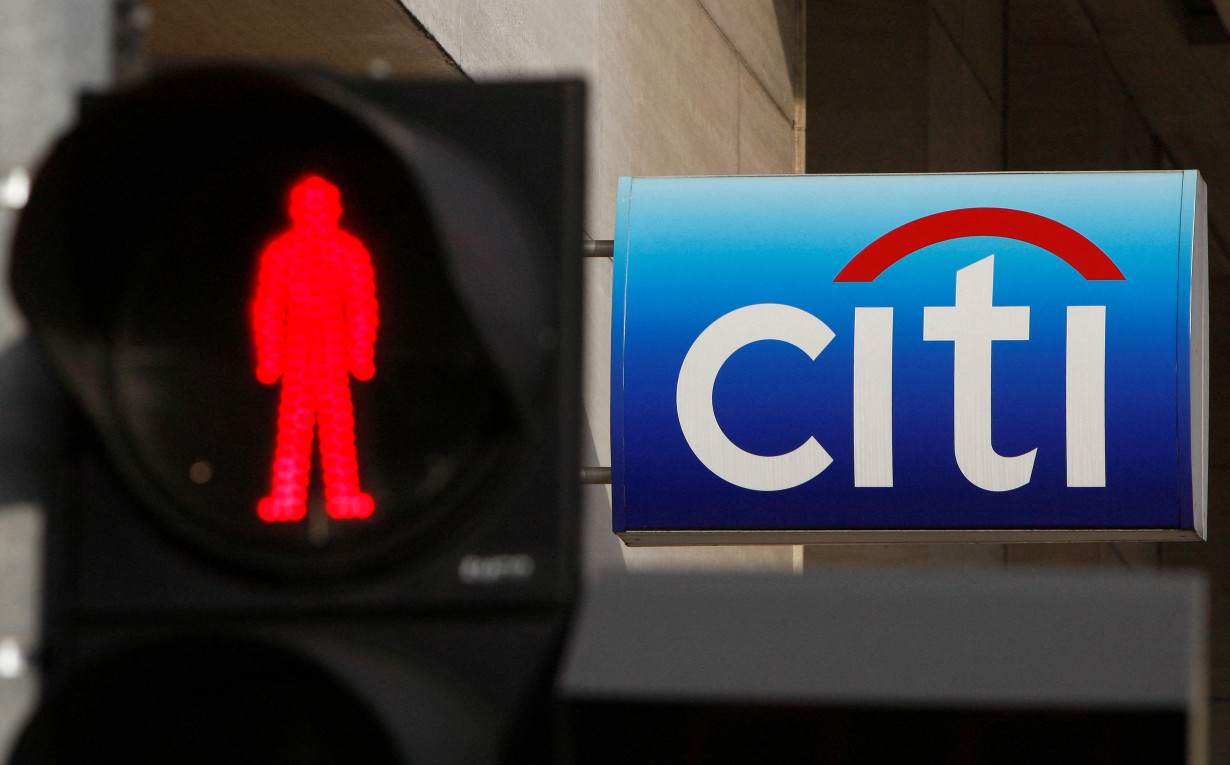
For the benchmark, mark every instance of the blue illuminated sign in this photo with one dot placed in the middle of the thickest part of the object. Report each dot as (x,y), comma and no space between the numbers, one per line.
(991,356)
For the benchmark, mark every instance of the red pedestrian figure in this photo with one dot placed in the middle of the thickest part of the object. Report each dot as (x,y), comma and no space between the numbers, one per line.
(314,321)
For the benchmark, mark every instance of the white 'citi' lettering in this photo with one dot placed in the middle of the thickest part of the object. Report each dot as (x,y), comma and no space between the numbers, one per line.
(972,324)
(873,396)
(694,396)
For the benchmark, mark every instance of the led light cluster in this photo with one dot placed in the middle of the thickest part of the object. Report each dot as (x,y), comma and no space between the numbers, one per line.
(314,321)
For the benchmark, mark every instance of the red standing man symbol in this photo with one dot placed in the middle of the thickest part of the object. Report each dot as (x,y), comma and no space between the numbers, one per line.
(314,323)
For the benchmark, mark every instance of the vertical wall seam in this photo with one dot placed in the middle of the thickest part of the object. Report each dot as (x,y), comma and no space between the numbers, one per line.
(743,61)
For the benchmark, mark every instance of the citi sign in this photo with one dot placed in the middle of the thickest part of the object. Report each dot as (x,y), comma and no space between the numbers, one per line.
(971,325)
(963,356)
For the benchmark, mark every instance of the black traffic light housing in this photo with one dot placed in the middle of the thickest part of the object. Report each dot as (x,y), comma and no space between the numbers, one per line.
(438,618)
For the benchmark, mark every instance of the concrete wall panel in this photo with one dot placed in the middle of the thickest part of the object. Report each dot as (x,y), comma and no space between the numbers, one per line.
(766,35)
(976,28)
(354,37)
(958,556)
(1213,557)
(667,93)
(743,558)
(596,363)
(963,122)
(867,87)
(1068,109)
(500,39)
(1219,365)
(1219,731)
(766,143)
(667,78)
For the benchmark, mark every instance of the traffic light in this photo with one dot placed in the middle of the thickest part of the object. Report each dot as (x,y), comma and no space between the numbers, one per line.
(318,501)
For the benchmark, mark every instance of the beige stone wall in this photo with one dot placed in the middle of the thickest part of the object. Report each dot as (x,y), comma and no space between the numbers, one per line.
(677,87)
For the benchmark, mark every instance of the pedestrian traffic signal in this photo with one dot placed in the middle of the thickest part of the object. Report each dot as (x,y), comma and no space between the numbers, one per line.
(322,339)
(314,322)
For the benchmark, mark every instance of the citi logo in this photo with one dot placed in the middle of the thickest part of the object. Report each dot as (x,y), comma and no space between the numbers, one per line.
(971,324)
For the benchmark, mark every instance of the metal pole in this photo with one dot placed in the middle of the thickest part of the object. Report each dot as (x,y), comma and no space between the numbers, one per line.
(599,248)
(595,475)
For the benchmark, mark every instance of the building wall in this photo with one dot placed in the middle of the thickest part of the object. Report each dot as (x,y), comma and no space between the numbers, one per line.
(951,85)
(676,87)
(968,85)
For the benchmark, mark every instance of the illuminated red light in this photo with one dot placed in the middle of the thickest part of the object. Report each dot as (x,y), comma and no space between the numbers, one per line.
(314,323)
